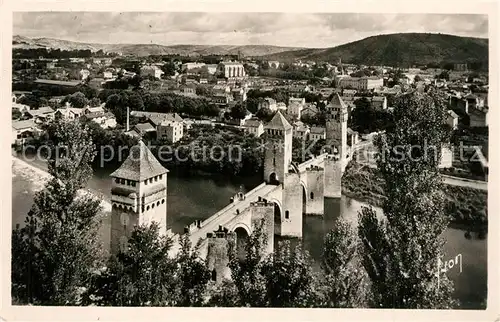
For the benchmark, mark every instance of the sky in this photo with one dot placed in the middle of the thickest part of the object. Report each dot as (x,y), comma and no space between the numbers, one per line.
(209,28)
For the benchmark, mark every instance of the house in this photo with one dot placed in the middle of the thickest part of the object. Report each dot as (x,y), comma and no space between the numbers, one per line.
(452,119)
(23,131)
(151,70)
(349,92)
(295,106)
(221,89)
(171,130)
(41,114)
(361,83)
(211,68)
(203,81)
(20,107)
(69,113)
(105,120)
(446,157)
(254,126)
(300,130)
(379,102)
(84,74)
(239,94)
(317,133)
(309,110)
(268,103)
(97,109)
(57,83)
(107,75)
(189,89)
(222,99)
(51,65)
(143,128)
(479,117)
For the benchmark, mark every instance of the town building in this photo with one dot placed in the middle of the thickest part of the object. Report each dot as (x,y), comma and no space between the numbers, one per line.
(230,70)
(295,106)
(269,103)
(69,113)
(361,83)
(84,74)
(41,114)
(107,74)
(452,119)
(479,117)
(105,120)
(300,130)
(309,110)
(20,107)
(189,89)
(23,131)
(254,126)
(152,70)
(170,130)
(188,66)
(222,98)
(317,133)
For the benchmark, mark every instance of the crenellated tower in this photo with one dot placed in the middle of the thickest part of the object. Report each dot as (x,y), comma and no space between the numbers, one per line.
(278,149)
(138,196)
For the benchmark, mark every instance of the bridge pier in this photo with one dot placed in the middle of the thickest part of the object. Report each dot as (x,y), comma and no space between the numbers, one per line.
(333,177)
(313,191)
(291,218)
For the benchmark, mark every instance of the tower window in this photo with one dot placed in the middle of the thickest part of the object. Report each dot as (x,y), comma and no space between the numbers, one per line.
(150,180)
(274,161)
(147,208)
(156,178)
(158,203)
(146,182)
(287,214)
(117,180)
(312,195)
(133,183)
(152,206)
(163,201)
(161,175)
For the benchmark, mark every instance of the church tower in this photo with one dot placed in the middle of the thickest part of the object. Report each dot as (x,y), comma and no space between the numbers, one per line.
(336,126)
(278,149)
(138,196)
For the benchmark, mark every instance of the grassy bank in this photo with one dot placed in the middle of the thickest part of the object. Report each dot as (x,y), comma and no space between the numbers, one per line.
(466,207)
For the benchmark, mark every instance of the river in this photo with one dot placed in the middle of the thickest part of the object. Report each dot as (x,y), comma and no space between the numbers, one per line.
(197,197)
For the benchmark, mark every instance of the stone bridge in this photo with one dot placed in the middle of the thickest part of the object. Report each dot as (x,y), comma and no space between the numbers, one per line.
(279,206)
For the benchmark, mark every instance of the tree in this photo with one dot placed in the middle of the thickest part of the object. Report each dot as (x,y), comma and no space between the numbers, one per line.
(362,116)
(54,254)
(444,75)
(417,78)
(246,273)
(192,275)
(77,100)
(289,280)
(346,280)
(400,251)
(238,111)
(95,102)
(135,102)
(142,275)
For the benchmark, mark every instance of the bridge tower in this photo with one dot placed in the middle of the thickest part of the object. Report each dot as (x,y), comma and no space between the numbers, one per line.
(278,151)
(336,137)
(138,196)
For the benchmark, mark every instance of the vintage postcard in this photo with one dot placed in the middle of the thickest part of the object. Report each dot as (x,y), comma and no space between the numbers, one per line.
(325,160)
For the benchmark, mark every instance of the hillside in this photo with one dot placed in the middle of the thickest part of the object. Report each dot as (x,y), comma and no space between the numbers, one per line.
(148,49)
(397,50)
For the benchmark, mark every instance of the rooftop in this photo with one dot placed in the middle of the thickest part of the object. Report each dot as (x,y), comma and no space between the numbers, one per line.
(42,110)
(278,122)
(21,125)
(139,165)
(56,82)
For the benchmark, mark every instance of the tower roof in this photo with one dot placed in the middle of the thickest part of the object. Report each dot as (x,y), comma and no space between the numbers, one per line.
(140,165)
(278,122)
(338,101)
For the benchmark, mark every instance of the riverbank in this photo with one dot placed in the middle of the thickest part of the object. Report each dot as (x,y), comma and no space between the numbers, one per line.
(467,207)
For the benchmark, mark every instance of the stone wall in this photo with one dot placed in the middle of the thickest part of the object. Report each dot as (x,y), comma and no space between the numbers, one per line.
(292,206)
(333,176)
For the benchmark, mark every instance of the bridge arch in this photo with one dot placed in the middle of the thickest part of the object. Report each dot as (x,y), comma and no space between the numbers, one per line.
(278,213)
(242,232)
(304,196)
